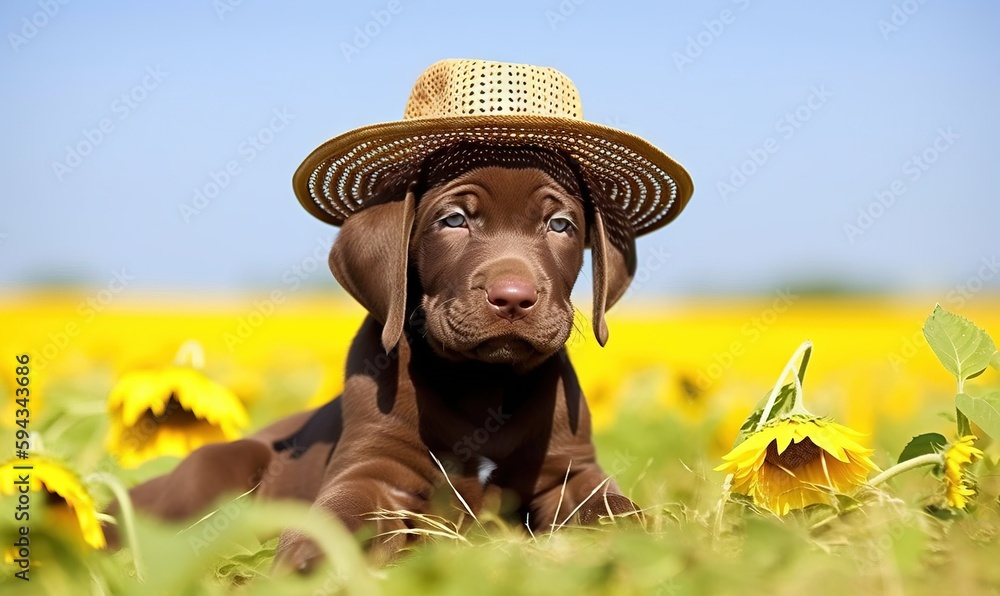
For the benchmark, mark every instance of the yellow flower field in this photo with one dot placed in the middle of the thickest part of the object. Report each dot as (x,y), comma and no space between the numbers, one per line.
(700,360)
(668,395)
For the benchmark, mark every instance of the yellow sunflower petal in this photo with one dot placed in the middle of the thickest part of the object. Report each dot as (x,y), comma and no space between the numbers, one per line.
(831,441)
(146,391)
(785,434)
(811,460)
(748,454)
(960,454)
(210,401)
(56,479)
(142,427)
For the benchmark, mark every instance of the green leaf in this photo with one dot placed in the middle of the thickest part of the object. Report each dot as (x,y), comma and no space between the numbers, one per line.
(782,405)
(996,361)
(984,411)
(964,349)
(244,567)
(846,503)
(817,515)
(922,445)
(785,400)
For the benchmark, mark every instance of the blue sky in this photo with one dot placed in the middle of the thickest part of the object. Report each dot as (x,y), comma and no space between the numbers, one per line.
(831,108)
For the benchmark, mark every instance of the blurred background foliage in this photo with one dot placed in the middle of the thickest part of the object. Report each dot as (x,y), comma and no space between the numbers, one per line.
(667,394)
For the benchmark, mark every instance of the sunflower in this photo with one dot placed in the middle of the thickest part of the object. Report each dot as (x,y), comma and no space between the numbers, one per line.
(960,454)
(63,487)
(797,461)
(170,412)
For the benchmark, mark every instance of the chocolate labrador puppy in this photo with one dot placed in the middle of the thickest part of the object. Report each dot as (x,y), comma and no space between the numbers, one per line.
(459,369)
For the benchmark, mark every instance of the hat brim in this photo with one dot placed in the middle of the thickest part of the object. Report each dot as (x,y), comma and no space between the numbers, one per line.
(649,187)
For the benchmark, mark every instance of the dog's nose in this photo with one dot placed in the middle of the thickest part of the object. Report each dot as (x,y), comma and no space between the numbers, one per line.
(512,298)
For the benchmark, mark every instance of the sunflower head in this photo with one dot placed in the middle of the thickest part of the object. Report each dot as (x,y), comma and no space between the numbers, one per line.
(796,461)
(67,498)
(170,412)
(959,455)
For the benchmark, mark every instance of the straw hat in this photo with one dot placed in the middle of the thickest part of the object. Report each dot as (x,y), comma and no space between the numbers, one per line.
(499,104)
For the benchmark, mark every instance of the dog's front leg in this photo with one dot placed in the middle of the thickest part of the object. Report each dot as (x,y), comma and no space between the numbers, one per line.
(355,498)
(582,497)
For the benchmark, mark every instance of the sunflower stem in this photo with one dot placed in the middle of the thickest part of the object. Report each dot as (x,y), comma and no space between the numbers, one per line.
(799,361)
(964,427)
(961,420)
(806,354)
(797,408)
(804,351)
(906,466)
(127,516)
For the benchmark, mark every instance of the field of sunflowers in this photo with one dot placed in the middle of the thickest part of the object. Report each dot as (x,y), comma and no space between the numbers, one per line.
(818,495)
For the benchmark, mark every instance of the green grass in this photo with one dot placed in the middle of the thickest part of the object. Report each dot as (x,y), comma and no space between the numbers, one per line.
(878,542)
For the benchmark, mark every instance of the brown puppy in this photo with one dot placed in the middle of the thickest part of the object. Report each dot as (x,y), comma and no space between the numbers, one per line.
(478,273)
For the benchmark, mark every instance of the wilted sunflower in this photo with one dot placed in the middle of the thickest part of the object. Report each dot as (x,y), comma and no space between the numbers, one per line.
(66,493)
(959,454)
(797,461)
(170,412)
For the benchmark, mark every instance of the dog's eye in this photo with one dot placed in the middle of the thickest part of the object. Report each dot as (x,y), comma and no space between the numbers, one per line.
(560,224)
(455,220)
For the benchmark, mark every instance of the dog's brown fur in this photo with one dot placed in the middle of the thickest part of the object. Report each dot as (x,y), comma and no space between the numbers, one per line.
(481,382)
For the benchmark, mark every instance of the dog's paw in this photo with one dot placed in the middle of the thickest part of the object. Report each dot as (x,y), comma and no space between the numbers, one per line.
(611,507)
(296,553)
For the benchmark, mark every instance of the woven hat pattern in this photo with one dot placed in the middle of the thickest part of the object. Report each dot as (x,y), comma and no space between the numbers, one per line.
(494,103)
(476,87)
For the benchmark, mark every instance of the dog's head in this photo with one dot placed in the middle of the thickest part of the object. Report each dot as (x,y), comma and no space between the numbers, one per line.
(486,256)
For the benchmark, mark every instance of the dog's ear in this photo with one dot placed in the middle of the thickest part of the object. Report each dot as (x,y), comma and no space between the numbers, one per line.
(613,267)
(369,259)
